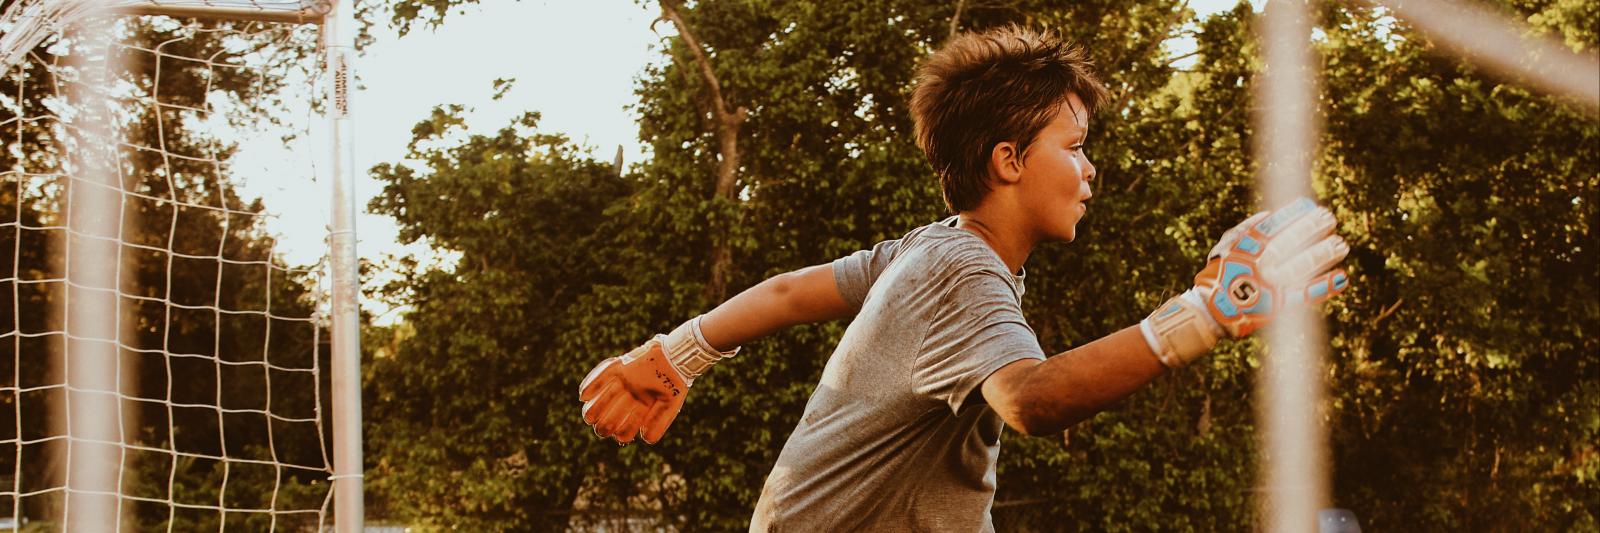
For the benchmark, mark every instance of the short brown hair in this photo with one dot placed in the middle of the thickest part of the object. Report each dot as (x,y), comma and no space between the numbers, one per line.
(981,89)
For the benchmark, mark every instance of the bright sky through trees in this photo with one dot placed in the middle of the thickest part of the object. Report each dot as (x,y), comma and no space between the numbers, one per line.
(574,62)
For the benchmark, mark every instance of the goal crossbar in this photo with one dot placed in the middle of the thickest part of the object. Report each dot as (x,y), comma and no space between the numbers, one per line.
(281,11)
(26,24)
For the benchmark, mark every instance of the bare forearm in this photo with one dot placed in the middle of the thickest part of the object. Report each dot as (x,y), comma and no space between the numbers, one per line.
(1045,398)
(799,297)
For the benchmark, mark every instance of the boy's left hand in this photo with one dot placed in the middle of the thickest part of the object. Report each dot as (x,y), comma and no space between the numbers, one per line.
(1270,262)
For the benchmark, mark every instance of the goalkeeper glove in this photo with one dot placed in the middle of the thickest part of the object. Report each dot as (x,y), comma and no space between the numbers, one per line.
(642,391)
(1270,262)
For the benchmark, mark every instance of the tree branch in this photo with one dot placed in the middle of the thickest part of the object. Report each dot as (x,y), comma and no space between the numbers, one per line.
(1386,312)
(1172,19)
(726,124)
(955,20)
(1176,59)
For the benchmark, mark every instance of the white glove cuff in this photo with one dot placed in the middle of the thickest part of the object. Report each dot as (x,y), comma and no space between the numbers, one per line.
(690,354)
(1180,330)
(1150,337)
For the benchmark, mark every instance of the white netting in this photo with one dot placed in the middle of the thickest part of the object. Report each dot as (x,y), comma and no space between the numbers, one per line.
(190,337)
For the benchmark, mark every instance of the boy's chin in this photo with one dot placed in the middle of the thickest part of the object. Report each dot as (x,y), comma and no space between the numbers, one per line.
(1068,231)
(1068,235)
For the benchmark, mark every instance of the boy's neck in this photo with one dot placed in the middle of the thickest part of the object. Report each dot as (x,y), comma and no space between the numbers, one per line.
(1012,244)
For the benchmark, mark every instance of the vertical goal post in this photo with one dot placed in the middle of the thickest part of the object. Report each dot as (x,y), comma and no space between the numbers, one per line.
(81,288)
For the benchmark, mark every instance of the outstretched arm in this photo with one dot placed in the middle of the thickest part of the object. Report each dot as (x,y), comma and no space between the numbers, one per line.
(640,393)
(1265,264)
(799,297)
(1044,397)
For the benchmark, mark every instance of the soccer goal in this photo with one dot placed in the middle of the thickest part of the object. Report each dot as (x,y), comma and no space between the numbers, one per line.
(179,342)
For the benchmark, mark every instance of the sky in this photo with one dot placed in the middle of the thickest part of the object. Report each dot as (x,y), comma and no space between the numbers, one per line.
(575,62)
(401,79)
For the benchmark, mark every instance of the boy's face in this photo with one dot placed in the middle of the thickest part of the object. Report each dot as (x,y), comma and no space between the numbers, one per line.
(1056,174)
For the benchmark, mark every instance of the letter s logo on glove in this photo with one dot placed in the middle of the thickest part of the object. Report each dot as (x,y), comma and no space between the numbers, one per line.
(1271,262)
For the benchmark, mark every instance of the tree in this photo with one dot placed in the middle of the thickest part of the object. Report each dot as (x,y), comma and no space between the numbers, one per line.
(1465,364)
(725,123)
(471,418)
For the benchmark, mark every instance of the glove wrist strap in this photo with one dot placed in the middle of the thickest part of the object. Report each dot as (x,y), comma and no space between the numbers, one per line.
(690,354)
(1181,330)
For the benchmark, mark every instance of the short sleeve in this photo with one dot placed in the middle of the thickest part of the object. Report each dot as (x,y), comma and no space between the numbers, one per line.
(979,329)
(855,273)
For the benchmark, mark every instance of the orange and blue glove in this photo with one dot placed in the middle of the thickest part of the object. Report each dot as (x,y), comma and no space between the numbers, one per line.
(641,392)
(1270,262)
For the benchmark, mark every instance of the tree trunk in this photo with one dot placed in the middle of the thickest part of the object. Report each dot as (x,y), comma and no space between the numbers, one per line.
(955,20)
(726,124)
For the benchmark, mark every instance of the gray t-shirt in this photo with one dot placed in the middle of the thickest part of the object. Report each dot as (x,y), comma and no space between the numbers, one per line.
(889,440)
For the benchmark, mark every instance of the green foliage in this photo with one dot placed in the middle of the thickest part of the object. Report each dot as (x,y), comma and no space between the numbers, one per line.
(529,218)
(1463,376)
(1471,207)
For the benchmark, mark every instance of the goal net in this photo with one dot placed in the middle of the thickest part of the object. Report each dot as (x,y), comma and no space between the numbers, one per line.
(176,268)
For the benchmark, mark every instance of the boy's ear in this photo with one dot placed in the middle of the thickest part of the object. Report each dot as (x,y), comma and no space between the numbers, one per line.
(1005,163)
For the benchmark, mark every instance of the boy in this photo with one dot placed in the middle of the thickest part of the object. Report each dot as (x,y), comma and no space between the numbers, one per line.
(903,431)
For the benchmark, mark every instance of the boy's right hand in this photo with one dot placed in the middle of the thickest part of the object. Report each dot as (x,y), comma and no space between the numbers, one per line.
(641,392)
(1270,262)
(638,392)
